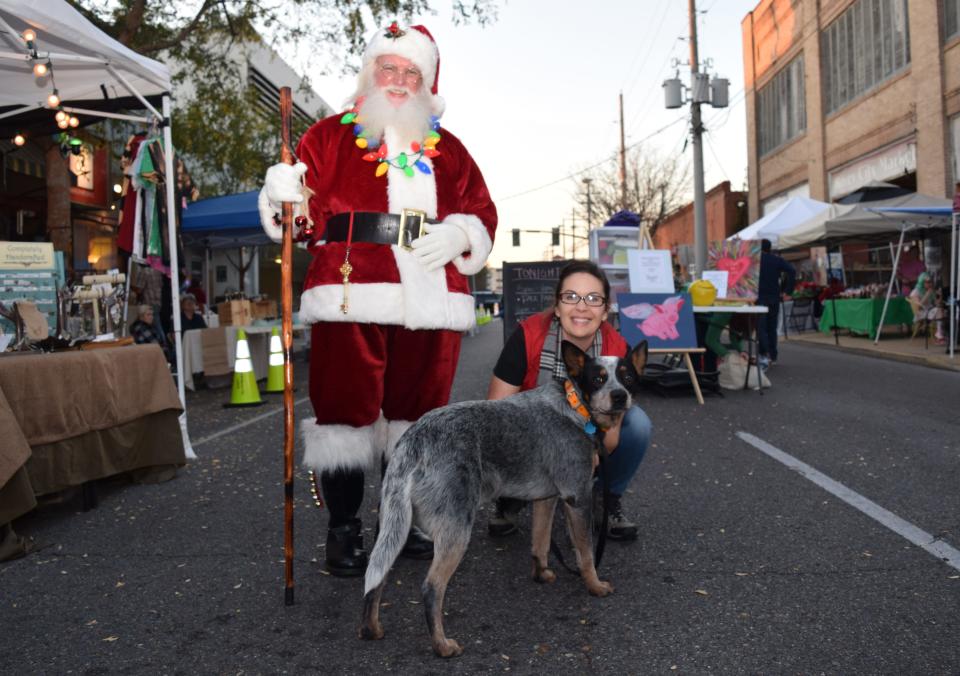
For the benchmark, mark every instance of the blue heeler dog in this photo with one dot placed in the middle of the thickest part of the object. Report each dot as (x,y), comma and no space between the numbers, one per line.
(535,445)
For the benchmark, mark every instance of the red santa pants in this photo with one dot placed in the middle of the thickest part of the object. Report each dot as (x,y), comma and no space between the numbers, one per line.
(357,370)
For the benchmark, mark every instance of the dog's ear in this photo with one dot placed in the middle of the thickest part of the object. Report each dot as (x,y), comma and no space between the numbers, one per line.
(638,356)
(573,358)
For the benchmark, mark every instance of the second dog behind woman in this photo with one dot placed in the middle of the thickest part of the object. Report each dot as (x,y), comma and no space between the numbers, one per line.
(530,358)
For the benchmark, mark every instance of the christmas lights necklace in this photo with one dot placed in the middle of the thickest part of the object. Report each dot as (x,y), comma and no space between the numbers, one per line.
(405,160)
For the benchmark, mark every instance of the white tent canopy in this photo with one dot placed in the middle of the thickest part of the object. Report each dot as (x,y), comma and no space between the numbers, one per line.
(87,66)
(84,58)
(784,218)
(862,220)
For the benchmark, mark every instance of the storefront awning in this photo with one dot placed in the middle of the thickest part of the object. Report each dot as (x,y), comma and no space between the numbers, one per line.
(225,222)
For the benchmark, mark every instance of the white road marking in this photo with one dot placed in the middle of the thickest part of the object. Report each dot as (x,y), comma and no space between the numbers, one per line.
(920,538)
(230,430)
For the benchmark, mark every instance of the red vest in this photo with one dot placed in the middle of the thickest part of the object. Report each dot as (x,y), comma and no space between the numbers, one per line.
(535,330)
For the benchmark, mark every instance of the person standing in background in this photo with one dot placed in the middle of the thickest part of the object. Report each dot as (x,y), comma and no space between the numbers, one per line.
(777,277)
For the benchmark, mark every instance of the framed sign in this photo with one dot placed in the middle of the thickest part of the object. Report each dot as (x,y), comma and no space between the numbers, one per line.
(719,280)
(664,320)
(650,271)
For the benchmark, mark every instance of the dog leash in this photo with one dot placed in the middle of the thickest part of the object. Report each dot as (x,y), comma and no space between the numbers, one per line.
(598,433)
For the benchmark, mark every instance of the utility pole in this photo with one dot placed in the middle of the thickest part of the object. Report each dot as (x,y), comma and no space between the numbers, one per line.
(587,182)
(696,128)
(623,159)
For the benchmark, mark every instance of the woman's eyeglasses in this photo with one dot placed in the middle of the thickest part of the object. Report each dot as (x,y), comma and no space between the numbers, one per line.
(573,298)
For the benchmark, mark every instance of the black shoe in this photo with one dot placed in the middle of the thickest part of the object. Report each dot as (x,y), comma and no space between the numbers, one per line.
(418,546)
(619,527)
(345,554)
(501,524)
(504,521)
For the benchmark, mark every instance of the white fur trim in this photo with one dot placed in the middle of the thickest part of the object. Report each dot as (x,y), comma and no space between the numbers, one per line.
(427,303)
(329,447)
(439,105)
(385,303)
(412,45)
(395,430)
(409,192)
(480,243)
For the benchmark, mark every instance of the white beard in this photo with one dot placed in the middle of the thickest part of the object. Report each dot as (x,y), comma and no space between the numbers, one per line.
(410,121)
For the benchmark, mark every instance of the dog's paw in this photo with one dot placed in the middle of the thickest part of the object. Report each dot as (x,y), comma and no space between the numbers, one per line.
(600,588)
(544,575)
(447,648)
(372,632)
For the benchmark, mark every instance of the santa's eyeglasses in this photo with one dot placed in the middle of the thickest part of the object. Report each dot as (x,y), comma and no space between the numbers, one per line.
(395,73)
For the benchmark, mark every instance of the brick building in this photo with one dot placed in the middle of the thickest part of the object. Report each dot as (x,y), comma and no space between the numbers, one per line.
(726,214)
(843,92)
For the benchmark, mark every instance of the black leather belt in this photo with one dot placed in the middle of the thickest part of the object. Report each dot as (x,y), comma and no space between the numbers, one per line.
(379,228)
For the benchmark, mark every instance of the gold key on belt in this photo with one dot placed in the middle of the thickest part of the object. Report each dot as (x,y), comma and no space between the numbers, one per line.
(345,270)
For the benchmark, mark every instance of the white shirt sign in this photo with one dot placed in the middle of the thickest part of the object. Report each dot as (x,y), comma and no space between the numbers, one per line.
(650,271)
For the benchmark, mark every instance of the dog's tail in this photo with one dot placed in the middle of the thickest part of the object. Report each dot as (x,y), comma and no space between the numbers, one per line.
(396,515)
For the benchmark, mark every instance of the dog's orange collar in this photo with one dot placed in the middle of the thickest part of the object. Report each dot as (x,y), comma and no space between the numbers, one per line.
(578,406)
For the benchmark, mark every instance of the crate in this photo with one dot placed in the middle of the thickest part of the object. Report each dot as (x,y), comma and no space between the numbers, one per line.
(234,313)
(263,309)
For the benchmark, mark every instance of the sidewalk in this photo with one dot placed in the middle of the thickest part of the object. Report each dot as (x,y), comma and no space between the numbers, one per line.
(893,345)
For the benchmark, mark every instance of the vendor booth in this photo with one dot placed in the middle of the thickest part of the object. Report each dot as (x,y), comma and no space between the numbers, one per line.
(53,61)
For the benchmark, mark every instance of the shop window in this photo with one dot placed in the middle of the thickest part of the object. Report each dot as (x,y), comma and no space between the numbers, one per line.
(865,46)
(781,107)
(951,18)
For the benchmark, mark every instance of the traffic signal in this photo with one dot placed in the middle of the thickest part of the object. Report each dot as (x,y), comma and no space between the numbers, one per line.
(555,234)
(516,236)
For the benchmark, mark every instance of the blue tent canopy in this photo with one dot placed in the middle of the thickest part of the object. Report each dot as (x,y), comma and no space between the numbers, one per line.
(224,222)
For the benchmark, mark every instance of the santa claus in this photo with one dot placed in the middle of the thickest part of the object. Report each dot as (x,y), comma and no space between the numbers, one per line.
(400,216)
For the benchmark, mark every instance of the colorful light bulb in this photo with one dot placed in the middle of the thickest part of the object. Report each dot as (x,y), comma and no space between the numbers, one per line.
(39,69)
(19,140)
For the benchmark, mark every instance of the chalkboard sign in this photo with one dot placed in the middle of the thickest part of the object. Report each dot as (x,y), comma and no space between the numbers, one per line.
(528,288)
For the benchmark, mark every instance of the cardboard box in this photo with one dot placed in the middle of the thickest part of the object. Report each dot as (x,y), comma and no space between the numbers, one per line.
(262,309)
(234,313)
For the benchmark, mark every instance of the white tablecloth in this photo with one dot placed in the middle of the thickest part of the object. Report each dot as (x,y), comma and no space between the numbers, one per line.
(258,339)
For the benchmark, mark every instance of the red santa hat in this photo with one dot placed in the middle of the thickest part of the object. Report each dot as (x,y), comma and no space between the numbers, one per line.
(414,43)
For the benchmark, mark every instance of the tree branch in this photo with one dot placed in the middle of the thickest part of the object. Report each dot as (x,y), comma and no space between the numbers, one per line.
(92,17)
(181,35)
(132,22)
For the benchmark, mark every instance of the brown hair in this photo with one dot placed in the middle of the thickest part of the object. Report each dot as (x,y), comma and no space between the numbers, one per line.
(589,267)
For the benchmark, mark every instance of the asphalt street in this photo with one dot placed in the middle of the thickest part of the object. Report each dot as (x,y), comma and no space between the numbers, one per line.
(810,529)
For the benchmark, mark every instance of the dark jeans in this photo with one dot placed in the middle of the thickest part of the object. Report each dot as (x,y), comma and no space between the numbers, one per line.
(767,327)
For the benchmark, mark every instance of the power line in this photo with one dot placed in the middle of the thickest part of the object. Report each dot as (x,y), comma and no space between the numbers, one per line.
(592,166)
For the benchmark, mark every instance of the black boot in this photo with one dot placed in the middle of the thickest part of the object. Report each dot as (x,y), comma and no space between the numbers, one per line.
(345,554)
(418,546)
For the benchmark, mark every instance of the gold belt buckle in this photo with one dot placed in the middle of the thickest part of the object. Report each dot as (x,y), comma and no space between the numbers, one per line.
(403,238)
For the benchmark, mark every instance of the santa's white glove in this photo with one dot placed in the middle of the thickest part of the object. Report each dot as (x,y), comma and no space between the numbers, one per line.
(442,243)
(283,183)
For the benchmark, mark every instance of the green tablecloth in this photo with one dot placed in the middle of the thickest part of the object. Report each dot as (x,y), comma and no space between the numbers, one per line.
(862,315)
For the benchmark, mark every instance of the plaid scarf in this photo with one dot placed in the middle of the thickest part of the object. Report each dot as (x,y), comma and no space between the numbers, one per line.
(549,362)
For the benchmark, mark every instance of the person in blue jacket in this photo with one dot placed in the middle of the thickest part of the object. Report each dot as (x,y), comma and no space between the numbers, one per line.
(777,277)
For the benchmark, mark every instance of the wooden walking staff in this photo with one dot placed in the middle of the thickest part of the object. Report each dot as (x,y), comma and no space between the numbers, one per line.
(286,301)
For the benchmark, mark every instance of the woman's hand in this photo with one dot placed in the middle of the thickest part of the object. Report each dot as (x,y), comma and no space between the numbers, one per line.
(611,438)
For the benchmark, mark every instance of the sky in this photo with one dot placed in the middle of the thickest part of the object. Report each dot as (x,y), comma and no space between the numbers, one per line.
(534,97)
